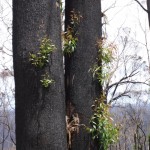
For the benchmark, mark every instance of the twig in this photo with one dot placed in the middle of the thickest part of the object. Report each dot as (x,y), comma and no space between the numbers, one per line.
(142,6)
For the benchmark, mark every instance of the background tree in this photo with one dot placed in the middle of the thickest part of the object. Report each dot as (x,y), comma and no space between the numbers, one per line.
(148,10)
(81,88)
(40,111)
(7,121)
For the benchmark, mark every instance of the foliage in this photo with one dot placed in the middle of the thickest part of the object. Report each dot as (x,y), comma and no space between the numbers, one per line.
(102,130)
(46,81)
(70,36)
(101,70)
(70,41)
(105,51)
(41,58)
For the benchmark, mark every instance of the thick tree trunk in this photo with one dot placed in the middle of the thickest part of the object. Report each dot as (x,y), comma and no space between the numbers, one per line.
(81,88)
(40,112)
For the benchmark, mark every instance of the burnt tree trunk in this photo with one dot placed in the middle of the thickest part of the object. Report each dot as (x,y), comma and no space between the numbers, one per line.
(148,10)
(81,88)
(40,112)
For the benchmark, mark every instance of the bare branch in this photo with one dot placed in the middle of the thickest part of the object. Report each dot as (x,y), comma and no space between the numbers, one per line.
(120,81)
(124,94)
(142,6)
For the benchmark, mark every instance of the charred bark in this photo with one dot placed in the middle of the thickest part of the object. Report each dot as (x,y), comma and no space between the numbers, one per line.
(40,112)
(81,88)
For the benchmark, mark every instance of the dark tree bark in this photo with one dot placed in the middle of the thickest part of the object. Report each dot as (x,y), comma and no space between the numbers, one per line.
(40,112)
(148,10)
(81,88)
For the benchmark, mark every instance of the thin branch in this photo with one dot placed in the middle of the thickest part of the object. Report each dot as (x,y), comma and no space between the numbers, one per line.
(142,6)
(110,7)
(124,94)
(135,82)
(120,81)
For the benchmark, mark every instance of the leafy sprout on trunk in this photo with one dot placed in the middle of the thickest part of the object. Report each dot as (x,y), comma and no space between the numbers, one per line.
(70,36)
(46,80)
(102,130)
(42,57)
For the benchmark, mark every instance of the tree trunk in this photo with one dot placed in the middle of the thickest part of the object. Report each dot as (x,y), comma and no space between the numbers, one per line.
(40,112)
(148,10)
(81,88)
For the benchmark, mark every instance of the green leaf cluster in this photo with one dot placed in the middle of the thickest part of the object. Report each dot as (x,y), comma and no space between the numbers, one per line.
(105,57)
(70,36)
(105,53)
(75,19)
(70,41)
(102,130)
(46,81)
(41,58)
(101,73)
